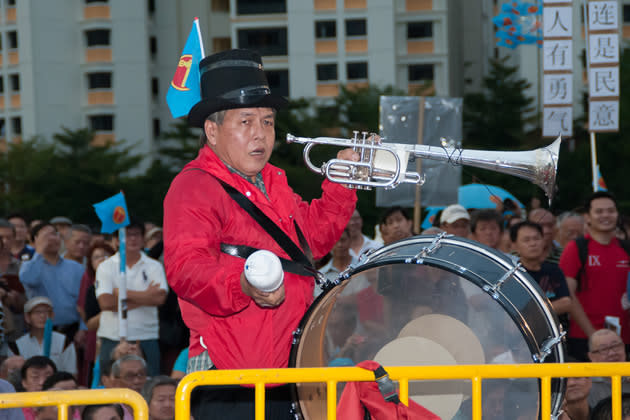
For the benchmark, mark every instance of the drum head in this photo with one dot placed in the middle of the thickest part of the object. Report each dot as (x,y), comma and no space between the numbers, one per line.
(428,301)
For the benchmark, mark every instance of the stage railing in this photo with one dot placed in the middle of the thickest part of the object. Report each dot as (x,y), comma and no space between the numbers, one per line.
(331,376)
(64,399)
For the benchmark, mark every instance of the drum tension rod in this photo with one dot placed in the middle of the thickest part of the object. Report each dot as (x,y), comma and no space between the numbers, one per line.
(427,250)
(546,347)
(296,335)
(493,290)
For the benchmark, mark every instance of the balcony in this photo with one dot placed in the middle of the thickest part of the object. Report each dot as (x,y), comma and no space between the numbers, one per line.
(327,89)
(11,15)
(101,97)
(420,47)
(103,139)
(326,46)
(418,5)
(16,100)
(98,55)
(356,45)
(325,5)
(96,12)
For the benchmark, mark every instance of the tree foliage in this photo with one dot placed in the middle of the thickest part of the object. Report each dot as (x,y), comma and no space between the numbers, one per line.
(63,177)
(496,117)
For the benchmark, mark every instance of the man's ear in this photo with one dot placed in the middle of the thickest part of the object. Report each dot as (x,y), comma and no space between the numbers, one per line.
(210,129)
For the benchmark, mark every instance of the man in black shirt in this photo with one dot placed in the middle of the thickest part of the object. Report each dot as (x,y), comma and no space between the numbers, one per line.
(528,242)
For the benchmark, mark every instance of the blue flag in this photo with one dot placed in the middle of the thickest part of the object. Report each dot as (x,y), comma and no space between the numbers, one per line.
(185,90)
(113,213)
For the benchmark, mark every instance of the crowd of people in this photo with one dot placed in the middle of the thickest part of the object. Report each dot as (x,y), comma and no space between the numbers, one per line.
(60,283)
(58,293)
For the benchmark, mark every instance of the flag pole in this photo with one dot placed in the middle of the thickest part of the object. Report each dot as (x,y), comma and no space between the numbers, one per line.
(196,22)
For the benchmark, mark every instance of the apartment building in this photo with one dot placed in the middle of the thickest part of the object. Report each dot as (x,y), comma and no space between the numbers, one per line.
(107,64)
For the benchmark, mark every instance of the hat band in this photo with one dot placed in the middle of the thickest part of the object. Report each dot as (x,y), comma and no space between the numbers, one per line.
(247,94)
(231,63)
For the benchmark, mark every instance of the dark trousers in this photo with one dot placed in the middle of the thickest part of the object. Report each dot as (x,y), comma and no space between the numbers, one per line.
(235,402)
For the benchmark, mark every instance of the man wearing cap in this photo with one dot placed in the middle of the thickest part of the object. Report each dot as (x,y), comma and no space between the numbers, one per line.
(36,311)
(232,324)
(455,220)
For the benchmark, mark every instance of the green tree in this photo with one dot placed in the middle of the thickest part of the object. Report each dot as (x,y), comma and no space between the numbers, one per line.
(65,176)
(495,118)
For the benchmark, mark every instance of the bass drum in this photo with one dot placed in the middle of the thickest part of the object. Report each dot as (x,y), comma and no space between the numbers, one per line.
(434,300)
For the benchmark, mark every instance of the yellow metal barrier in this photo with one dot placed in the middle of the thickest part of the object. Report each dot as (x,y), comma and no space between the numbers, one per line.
(403,374)
(64,399)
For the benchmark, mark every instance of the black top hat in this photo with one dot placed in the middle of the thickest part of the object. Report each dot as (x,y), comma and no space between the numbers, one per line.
(232,79)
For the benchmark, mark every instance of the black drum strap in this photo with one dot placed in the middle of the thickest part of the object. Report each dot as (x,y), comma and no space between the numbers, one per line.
(299,257)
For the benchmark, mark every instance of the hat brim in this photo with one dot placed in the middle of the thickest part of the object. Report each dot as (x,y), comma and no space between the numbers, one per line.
(206,107)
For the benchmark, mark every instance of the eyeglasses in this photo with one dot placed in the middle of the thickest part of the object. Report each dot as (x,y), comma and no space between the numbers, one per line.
(41,312)
(128,377)
(612,347)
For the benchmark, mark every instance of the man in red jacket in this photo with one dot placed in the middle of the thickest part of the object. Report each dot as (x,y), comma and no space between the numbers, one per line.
(234,325)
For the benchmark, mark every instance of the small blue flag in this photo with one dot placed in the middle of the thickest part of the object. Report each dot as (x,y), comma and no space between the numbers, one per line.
(185,89)
(48,330)
(113,213)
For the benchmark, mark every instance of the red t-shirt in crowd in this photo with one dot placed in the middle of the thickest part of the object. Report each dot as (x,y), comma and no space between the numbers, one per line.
(600,285)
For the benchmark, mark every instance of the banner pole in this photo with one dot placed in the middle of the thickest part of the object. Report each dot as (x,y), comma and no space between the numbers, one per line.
(594,160)
(417,208)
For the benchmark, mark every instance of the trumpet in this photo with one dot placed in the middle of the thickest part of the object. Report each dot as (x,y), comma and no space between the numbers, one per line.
(385,164)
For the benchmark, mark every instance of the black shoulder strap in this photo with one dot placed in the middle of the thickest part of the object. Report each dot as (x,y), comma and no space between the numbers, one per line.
(14,348)
(269,226)
(625,244)
(582,247)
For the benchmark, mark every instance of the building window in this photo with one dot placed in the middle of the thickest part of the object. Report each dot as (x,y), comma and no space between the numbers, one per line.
(16,126)
(419,30)
(268,41)
(14,80)
(356,27)
(2,128)
(100,80)
(257,7)
(155,87)
(13,39)
(96,1)
(97,37)
(325,29)
(278,81)
(1,84)
(355,71)
(220,5)
(151,7)
(102,123)
(420,72)
(326,72)
(153,46)
(626,13)
(11,3)
(156,128)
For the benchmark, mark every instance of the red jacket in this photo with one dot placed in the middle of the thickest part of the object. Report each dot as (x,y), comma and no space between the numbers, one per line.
(199,216)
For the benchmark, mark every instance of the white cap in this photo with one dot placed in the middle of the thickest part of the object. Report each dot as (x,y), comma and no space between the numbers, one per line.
(453,213)
(263,270)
